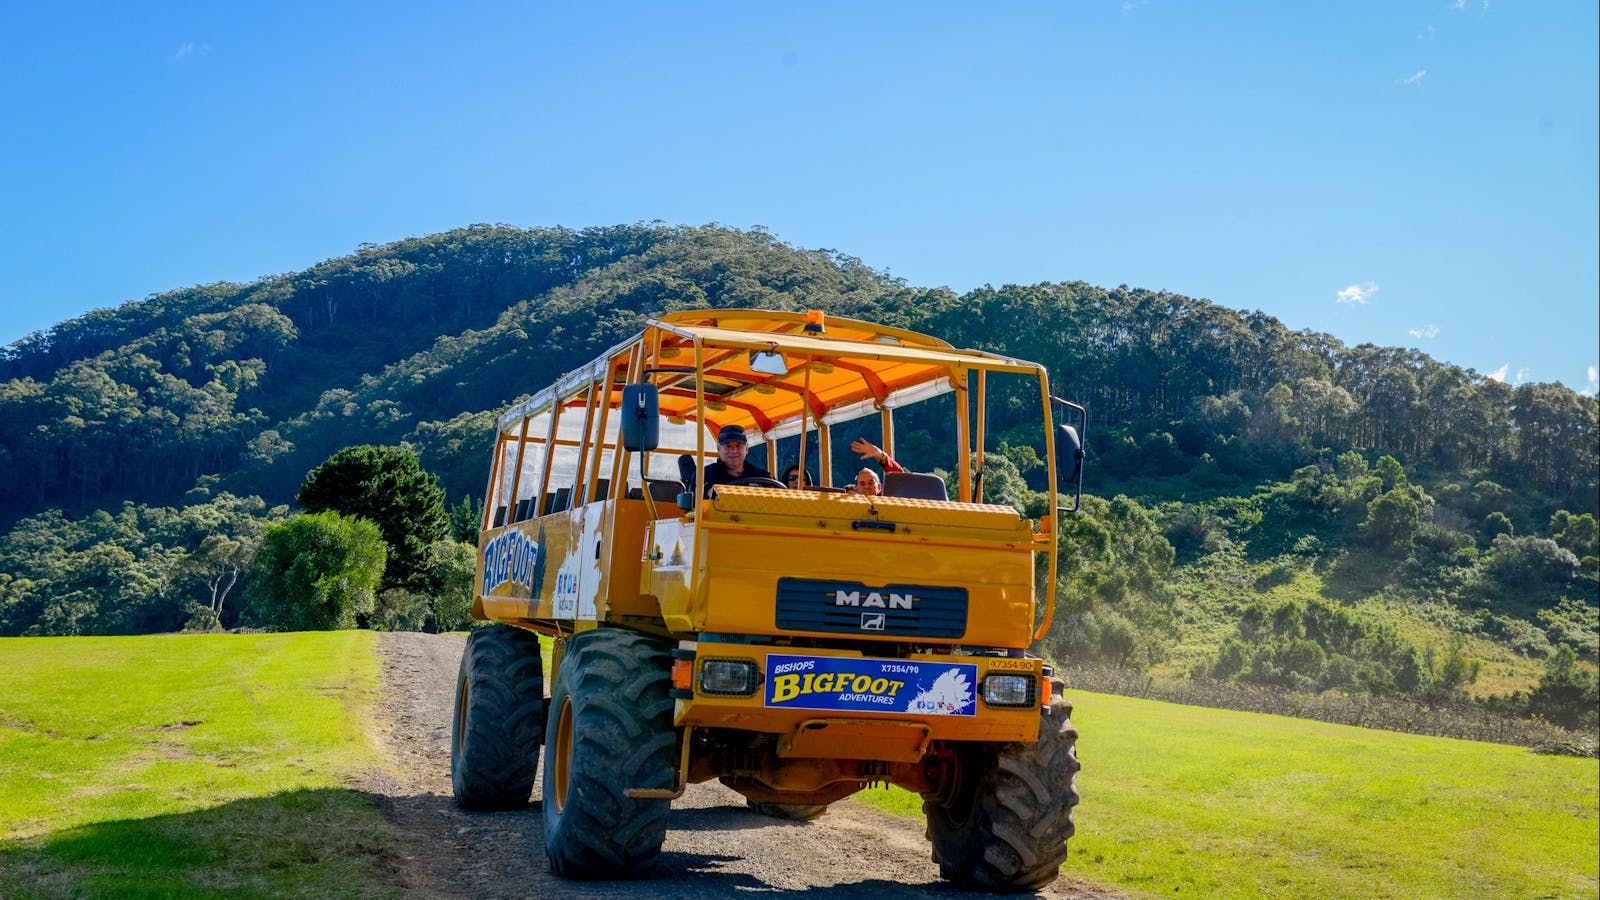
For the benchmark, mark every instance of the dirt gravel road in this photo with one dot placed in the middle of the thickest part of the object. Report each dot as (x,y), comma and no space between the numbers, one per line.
(715,846)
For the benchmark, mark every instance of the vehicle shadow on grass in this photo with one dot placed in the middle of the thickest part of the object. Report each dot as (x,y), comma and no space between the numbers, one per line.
(317,842)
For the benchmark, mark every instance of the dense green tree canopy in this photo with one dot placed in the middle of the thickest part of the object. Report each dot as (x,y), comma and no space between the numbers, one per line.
(386,486)
(1393,520)
(138,570)
(315,572)
(425,339)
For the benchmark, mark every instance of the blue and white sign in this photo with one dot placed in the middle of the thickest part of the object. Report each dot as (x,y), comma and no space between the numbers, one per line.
(845,684)
(511,558)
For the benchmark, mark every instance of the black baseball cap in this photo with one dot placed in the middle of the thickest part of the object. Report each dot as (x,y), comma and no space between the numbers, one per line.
(731,433)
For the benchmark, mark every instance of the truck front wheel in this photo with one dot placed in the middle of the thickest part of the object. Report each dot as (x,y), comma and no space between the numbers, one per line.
(499,719)
(1004,824)
(610,729)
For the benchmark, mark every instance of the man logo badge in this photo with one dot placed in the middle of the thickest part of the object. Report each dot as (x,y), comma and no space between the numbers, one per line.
(872,621)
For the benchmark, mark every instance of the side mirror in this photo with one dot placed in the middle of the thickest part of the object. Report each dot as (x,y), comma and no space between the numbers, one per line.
(1069,454)
(641,417)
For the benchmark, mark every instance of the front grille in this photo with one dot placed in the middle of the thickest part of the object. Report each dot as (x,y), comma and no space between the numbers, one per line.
(850,607)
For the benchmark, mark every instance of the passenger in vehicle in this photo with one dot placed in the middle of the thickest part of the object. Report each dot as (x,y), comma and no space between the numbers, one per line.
(732,445)
(867,484)
(869,450)
(792,478)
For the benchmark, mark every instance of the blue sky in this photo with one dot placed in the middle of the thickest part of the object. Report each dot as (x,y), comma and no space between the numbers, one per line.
(1407,173)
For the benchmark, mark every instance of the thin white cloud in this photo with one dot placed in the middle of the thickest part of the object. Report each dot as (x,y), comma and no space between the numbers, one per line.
(1426,332)
(1360,294)
(1594,382)
(1500,373)
(1412,79)
(1426,34)
(188,49)
(1130,5)
(1521,376)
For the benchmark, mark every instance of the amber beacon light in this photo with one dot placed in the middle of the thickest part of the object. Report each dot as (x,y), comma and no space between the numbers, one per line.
(814,322)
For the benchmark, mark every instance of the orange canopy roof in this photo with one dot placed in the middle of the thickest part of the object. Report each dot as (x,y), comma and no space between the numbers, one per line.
(851,370)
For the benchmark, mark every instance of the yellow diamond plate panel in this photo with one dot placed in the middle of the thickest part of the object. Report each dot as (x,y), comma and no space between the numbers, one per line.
(825,505)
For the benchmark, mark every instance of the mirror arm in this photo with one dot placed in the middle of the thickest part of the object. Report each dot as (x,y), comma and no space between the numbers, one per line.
(1079,454)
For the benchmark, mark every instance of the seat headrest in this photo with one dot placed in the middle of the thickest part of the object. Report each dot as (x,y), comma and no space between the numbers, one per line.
(914,486)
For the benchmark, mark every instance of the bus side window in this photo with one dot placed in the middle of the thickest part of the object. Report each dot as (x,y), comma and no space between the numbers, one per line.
(563,474)
(499,498)
(532,465)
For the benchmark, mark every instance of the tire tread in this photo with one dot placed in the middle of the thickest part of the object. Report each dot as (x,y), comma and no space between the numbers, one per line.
(493,764)
(1014,836)
(618,684)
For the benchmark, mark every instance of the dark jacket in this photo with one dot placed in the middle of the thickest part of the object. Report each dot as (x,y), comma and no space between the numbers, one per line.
(717,473)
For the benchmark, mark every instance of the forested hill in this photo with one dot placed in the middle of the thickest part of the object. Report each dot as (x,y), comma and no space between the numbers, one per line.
(254,383)
(1248,453)
(423,340)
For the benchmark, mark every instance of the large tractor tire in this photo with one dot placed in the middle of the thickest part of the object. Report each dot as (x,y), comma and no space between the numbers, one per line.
(610,729)
(499,719)
(790,812)
(1005,823)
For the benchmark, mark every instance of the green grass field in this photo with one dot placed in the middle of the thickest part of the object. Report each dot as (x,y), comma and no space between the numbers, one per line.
(187,765)
(220,766)
(1192,802)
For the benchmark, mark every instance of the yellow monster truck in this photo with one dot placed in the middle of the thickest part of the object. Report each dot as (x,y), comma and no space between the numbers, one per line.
(796,642)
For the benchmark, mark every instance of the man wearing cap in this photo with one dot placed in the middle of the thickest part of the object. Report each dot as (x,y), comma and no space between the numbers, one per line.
(730,465)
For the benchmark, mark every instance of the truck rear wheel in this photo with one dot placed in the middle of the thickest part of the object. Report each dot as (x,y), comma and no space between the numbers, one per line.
(1004,825)
(610,729)
(499,719)
(792,812)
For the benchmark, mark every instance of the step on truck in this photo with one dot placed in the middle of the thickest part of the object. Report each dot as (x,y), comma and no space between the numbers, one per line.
(796,641)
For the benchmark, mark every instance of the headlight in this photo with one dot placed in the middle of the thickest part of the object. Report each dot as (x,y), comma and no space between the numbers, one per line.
(1008,690)
(729,677)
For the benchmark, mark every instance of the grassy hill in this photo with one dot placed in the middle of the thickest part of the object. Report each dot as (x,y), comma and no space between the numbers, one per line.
(220,765)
